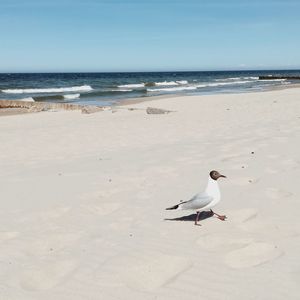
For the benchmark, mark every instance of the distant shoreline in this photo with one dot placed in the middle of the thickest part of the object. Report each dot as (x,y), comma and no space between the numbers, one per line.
(107,89)
(8,111)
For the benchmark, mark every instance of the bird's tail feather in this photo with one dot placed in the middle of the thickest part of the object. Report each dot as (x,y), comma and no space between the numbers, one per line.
(173,207)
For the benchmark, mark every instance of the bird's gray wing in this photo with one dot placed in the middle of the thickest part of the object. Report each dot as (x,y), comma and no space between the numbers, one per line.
(197,202)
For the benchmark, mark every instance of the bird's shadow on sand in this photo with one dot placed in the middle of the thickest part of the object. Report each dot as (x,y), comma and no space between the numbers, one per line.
(203,215)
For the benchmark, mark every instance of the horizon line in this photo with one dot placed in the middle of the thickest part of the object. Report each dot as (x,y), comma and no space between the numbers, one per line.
(170,71)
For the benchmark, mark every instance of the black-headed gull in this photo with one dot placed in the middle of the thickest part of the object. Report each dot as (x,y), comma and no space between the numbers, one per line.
(204,200)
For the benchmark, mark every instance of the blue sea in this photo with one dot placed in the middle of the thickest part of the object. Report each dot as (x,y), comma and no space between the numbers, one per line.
(113,88)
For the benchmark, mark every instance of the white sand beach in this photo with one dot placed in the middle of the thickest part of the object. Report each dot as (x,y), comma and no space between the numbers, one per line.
(83,200)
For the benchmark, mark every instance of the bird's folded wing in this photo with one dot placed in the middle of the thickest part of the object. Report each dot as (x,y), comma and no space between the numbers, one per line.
(197,202)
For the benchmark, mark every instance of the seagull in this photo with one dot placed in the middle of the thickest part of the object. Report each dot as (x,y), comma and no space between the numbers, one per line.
(204,200)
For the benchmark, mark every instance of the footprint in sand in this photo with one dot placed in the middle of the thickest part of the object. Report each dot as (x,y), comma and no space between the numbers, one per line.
(52,241)
(282,139)
(274,193)
(240,181)
(131,270)
(285,165)
(226,148)
(235,158)
(252,255)
(272,170)
(290,163)
(222,242)
(46,275)
(245,219)
(185,159)
(261,227)
(56,213)
(239,166)
(8,235)
(102,209)
(243,215)
(273,156)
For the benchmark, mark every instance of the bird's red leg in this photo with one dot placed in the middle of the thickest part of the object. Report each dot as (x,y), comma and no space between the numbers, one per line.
(220,217)
(197,218)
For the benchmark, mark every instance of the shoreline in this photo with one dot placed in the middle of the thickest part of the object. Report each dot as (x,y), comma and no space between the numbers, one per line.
(153,98)
(7,111)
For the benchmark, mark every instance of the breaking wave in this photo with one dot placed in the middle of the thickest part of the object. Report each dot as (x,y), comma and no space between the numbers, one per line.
(134,85)
(238,78)
(170,83)
(195,87)
(71,96)
(118,90)
(173,89)
(83,88)
(29,99)
(267,80)
(151,84)
(222,83)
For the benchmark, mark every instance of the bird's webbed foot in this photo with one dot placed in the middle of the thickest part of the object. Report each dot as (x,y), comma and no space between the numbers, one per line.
(220,217)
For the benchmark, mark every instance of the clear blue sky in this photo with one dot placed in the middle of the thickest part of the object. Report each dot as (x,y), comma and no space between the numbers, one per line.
(139,35)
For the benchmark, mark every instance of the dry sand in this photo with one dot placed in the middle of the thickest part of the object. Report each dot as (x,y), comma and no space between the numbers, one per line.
(83,201)
(12,111)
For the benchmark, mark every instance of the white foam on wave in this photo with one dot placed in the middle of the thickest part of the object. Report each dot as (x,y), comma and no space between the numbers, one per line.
(182,81)
(160,83)
(171,83)
(71,96)
(222,83)
(133,85)
(252,77)
(272,80)
(118,90)
(28,99)
(174,89)
(166,83)
(83,88)
(238,78)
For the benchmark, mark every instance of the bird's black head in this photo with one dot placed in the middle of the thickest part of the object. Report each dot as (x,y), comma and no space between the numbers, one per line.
(215,175)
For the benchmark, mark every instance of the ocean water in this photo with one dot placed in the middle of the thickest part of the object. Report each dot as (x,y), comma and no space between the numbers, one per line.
(113,88)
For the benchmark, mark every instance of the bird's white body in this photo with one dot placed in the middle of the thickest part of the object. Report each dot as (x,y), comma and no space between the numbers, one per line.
(203,201)
(213,191)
